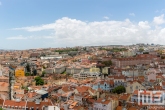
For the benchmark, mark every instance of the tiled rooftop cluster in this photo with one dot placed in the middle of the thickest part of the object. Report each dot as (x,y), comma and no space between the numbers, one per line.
(83,79)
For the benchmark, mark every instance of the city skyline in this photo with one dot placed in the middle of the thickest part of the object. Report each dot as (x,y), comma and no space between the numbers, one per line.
(42,24)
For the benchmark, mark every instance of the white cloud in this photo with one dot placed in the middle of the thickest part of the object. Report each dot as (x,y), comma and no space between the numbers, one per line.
(106,17)
(144,24)
(72,32)
(132,14)
(20,37)
(159,19)
(37,28)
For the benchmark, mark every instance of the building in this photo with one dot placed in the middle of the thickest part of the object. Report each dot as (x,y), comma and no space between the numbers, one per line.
(147,97)
(59,69)
(84,75)
(20,72)
(139,59)
(102,104)
(150,76)
(94,69)
(136,85)
(104,85)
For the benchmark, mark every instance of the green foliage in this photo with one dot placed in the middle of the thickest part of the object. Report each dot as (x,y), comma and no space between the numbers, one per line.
(1,108)
(159,52)
(72,53)
(66,50)
(27,74)
(141,50)
(34,72)
(39,81)
(28,67)
(44,67)
(43,73)
(84,48)
(145,52)
(64,72)
(162,57)
(26,88)
(114,49)
(107,63)
(119,90)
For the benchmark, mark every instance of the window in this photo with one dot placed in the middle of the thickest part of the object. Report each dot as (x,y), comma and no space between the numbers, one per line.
(98,85)
(136,87)
(130,87)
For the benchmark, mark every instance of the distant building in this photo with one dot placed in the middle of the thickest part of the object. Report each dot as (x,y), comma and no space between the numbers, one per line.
(84,75)
(139,59)
(20,71)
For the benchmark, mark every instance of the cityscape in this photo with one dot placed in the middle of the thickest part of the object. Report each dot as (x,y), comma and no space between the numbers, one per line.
(83,78)
(82,55)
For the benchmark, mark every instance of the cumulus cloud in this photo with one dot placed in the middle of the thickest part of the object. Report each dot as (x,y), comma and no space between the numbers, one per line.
(144,24)
(73,32)
(159,19)
(132,14)
(106,17)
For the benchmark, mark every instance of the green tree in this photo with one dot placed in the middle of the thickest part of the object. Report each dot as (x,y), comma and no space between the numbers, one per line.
(34,72)
(43,73)
(27,74)
(107,63)
(39,81)
(119,90)
(145,52)
(141,50)
(162,57)
(28,67)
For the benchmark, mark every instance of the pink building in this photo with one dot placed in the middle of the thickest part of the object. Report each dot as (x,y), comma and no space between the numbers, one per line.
(150,76)
(139,59)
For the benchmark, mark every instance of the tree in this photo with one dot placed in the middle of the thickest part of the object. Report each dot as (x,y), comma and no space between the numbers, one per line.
(145,52)
(39,81)
(119,90)
(34,72)
(141,50)
(107,63)
(27,74)
(28,67)
(162,57)
(43,73)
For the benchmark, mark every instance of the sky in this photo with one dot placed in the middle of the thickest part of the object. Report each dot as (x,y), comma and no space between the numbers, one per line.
(27,24)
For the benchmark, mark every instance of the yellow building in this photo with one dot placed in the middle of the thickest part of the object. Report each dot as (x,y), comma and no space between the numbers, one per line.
(94,70)
(20,72)
(105,70)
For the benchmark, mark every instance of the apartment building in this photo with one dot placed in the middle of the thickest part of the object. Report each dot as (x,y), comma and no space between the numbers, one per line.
(84,75)
(147,97)
(139,59)
(59,69)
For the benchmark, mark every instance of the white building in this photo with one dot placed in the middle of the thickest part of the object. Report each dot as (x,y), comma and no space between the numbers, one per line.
(148,97)
(83,75)
(59,68)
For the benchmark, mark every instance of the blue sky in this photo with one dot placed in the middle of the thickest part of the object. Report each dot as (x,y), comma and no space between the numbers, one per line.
(28,24)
